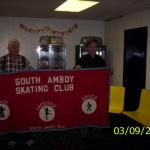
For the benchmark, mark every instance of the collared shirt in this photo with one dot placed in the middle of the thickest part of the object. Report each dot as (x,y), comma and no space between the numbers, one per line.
(6,65)
(88,62)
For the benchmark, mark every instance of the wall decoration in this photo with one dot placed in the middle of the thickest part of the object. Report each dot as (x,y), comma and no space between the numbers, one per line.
(49,29)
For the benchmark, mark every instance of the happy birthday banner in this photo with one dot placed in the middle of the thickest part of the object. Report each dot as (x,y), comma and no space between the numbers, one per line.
(41,100)
(49,29)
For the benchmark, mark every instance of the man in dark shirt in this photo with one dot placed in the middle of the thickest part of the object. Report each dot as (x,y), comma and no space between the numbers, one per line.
(91,60)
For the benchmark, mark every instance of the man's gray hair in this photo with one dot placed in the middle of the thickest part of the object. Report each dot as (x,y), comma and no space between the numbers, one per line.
(12,41)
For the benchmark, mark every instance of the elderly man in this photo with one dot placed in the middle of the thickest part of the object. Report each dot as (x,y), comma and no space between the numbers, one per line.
(13,61)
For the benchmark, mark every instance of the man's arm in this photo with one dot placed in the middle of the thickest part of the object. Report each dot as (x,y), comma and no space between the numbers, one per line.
(1,64)
(79,64)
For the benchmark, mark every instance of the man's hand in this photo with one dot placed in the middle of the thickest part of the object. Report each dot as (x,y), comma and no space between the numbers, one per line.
(77,67)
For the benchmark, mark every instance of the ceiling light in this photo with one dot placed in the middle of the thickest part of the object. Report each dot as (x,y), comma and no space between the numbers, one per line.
(75,5)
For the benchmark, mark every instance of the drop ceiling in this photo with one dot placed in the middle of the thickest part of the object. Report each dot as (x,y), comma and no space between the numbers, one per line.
(105,10)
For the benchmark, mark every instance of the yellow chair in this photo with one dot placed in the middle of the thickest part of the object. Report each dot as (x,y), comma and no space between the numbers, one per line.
(116,102)
(142,114)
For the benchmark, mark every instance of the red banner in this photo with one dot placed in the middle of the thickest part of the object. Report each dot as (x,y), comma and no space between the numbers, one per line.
(39,100)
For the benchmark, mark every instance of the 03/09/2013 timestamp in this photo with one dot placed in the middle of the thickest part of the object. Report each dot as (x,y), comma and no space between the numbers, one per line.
(131,130)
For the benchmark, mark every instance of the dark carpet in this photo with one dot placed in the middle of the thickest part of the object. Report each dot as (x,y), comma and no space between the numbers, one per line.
(82,139)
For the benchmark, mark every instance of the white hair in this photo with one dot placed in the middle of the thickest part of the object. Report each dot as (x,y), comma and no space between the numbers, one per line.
(12,41)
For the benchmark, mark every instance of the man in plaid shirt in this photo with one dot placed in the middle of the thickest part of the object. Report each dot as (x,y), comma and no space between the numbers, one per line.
(10,63)
(13,61)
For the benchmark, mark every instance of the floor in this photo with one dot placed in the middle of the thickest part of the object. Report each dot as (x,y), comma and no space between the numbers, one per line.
(82,139)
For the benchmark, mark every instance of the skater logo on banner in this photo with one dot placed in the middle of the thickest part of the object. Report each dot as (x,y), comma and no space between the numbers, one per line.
(46,111)
(4,110)
(89,104)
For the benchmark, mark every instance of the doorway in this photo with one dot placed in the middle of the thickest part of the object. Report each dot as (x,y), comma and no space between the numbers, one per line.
(134,76)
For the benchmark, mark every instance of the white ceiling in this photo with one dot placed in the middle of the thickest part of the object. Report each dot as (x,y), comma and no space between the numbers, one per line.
(105,10)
